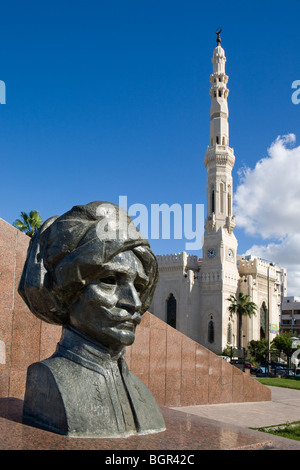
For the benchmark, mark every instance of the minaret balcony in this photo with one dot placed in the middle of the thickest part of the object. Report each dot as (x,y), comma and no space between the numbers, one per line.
(218,79)
(219,92)
(220,155)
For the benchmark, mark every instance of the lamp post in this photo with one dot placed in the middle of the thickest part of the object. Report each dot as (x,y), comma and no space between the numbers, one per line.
(268,319)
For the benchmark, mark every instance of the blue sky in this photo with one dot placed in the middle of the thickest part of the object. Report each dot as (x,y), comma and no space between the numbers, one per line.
(112,98)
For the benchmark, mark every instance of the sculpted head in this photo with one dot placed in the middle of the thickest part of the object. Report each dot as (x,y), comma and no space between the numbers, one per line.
(91,269)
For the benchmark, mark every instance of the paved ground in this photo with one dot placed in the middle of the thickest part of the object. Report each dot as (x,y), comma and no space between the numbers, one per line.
(284,407)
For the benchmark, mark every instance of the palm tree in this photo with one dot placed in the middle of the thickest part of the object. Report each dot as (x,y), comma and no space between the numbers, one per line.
(241,306)
(29,223)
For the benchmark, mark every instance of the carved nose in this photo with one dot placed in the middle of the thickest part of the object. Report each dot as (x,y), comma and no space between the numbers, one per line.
(129,299)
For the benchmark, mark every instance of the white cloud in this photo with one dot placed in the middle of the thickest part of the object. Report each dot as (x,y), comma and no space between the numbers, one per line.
(286,253)
(267,203)
(267,200)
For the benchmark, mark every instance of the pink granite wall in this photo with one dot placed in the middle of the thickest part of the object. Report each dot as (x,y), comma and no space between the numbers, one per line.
(25,339)
(180,372)
(177,370)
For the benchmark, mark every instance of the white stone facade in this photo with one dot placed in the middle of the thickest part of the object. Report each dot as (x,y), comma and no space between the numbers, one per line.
(201,298)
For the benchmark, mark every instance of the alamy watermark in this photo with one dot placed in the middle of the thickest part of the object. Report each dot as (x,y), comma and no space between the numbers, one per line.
(296,94)
(2,92)
(160,222)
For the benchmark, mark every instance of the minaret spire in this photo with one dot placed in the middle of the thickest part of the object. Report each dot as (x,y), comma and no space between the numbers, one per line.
(219,93)
(219,157)
(218,33)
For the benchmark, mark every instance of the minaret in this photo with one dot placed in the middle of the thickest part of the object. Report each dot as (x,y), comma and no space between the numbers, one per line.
(219,157)
(218,274)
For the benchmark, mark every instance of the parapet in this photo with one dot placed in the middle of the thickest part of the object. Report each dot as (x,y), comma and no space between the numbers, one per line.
(257,266)
(180,260)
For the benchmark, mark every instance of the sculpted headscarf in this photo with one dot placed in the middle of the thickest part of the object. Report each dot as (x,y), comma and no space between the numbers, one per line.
(66,252)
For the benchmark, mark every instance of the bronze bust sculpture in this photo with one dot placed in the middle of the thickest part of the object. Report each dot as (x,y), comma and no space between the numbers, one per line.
(92,272)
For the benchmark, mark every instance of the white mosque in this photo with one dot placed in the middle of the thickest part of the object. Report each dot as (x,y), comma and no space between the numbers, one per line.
(192,293)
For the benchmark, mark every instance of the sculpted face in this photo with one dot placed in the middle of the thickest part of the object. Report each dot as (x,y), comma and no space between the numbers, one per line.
(109,306)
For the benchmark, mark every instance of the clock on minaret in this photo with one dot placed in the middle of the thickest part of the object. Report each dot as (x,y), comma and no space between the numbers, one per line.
(211,252)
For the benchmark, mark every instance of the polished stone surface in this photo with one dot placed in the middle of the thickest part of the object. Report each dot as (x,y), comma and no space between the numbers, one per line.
(184,432)
(26,339)
(181,372)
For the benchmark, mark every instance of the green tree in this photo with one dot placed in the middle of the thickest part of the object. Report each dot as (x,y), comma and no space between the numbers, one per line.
(29,223)
(283,343)
(258,350)
(241,306)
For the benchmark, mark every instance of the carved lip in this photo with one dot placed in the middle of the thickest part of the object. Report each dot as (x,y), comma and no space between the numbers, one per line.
(127,325)
(123,316)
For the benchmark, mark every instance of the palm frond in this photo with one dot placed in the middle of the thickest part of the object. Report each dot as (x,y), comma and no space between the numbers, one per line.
(29,223)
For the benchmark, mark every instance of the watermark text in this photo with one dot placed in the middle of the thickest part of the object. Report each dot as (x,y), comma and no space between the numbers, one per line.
(296,94)
(160,221)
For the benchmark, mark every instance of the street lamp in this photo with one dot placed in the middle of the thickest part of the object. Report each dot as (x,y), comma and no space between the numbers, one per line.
(268,319)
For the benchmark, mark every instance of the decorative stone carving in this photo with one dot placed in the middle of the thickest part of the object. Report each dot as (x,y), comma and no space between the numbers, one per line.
(210,223)
(230,223)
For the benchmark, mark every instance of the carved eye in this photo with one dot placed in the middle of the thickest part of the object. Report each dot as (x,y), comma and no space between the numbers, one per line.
(111,280)
(139,287)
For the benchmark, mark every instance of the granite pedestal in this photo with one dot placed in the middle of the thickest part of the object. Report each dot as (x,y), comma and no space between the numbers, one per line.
(185,433)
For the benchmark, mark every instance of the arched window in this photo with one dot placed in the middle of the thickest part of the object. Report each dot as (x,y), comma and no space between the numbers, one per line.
(212,201)
(223,140)
(263,321)
(221,198)
(220,93)
(217,139)
(211,330)
(171,311)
